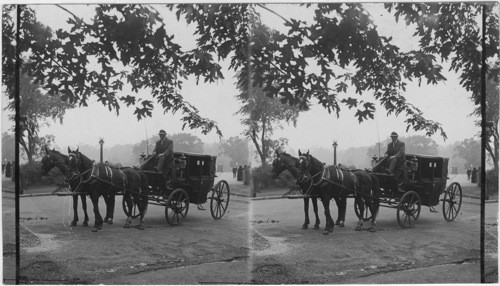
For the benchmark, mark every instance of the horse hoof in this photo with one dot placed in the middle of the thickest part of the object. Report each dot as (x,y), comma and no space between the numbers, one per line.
(372,229)
(94,229)
(358,229)
(316,226)
(126,226)
(304,226)
(85,224)
(99,227)
(326,232)
(330,230)
(110,221)
(140,227)
(105,219)
(73,223)
(341,224)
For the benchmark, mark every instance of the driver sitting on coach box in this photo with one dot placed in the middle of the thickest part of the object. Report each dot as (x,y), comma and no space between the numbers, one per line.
(395,154)
(164,149)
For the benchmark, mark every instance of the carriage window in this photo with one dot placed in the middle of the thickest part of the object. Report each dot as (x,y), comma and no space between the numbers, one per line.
(431,168)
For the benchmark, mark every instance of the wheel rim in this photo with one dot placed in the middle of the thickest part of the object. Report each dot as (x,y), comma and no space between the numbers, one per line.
(177,207)
(134,213)
(408,209)
(220,199)
(452,201)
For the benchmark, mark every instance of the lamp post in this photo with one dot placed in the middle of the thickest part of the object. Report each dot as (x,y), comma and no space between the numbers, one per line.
(335,152)
(101,141)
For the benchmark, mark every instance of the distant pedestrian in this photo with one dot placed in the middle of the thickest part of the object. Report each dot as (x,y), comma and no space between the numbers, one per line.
(3,168)
(474,175)
(468,174)
(234,171)
(240,174)
(8,169)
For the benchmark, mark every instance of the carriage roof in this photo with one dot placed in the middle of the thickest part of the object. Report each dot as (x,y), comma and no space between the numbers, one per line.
(195,155)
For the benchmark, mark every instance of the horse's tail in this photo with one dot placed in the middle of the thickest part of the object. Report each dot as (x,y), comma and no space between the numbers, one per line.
(375,185)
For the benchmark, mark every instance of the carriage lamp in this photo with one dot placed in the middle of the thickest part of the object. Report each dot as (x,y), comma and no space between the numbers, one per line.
(182,162)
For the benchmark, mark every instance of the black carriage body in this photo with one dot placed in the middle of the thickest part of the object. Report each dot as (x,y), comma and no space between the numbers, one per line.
(196,177)
(426,175)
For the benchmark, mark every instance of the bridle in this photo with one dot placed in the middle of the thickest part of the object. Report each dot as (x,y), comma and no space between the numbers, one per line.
(74,174)
(304,175)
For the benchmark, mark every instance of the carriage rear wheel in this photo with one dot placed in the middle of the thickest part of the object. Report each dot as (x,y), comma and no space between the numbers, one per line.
(220,199)
(361,209)
(409,209)
(177,207)
(133,211)
(452,201)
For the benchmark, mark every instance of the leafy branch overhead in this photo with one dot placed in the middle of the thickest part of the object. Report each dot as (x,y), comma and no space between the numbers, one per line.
(321,60)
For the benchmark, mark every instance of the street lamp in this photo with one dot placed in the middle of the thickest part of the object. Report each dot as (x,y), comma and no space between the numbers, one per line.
(101,141)
(335,152)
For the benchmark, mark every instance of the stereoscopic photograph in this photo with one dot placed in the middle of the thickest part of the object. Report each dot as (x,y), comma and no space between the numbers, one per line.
(250,143)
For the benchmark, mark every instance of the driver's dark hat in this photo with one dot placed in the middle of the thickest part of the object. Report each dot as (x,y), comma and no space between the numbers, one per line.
(394,134)
(162,132)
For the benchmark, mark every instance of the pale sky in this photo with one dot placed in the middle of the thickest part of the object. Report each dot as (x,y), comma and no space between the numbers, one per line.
(446,103)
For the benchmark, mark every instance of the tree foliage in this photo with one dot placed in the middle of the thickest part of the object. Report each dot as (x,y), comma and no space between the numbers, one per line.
(35,109)
(470,151)
(8,147)
(263,115)
(318,61)
(236,148)
(416,144)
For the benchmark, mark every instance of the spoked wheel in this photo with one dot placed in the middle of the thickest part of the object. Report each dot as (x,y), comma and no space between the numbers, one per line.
(409,209)
(132,212)
(177,207)
(452,201)
(220,199)
(361,209)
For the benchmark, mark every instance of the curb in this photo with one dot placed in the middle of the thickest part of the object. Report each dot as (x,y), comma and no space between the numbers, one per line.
(266,198)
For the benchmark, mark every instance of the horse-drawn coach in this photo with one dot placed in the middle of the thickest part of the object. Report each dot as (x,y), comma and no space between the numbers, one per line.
(189,181)
(420,181)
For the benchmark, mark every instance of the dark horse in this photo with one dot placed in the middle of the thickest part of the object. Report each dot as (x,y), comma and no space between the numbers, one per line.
(60,161)
(102,179)
(340,182)
(285,161)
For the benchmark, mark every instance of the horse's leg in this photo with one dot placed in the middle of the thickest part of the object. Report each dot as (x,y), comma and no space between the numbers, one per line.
(110,207)
(306,213)
(344,209)
(374,208)
(83,197)
(98,219)
(75,210)
(315,208)
(106,202)
(361,211)
(341,211)
(143,207)
(329,221)
(128,201)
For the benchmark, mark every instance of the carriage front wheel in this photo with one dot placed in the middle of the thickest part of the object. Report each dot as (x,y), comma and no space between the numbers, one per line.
(409,209)
(452,201)
(130,211)
(220,199)
(177,207)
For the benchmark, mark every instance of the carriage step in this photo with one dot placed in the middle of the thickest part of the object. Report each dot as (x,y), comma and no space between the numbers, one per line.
(433,210)
(201,208)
